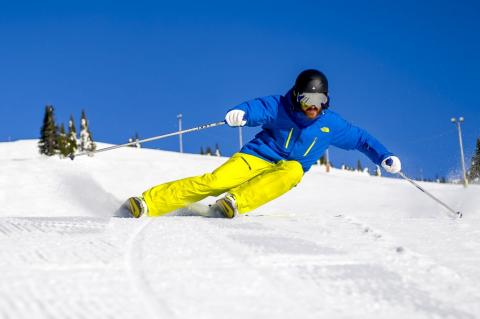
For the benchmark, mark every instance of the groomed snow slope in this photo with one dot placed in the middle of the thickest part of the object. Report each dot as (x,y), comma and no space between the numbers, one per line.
(339,245)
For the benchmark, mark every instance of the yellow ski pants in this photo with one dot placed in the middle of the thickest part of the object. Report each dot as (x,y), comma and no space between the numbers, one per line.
(251,180)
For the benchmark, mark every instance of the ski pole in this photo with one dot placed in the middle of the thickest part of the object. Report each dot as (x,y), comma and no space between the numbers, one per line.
(198,128)
(455,213)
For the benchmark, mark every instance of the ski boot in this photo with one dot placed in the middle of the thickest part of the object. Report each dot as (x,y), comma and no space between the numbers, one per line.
(137,206)
(225,207)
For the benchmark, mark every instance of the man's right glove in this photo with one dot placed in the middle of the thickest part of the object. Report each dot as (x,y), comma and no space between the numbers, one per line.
(235,118)
(392,164)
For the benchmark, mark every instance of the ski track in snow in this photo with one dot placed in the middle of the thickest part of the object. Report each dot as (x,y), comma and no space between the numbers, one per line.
(340,253)
(134,264)
(183,267)
(427,272)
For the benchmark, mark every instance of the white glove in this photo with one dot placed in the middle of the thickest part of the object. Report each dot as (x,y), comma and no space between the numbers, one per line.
(392,164)
(235,118)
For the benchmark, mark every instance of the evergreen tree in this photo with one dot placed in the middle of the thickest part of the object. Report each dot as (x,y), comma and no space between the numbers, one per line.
(217,150)
(359,166)
(474,174)
(201,151)
(72,143)
(62,142)
(135,139)
(378,171)
(48,133)
(86,139)
(323,160)
(208,151)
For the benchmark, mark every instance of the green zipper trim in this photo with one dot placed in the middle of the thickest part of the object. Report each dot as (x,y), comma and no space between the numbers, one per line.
(288,138)
(311,145)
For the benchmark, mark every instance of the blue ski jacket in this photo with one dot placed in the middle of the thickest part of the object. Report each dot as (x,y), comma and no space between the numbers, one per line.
(288,134)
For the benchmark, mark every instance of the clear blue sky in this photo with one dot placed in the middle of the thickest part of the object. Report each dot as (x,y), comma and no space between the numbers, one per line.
(399,69)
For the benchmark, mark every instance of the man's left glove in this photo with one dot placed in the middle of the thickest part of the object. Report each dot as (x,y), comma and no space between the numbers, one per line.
(235,118)
(392,164)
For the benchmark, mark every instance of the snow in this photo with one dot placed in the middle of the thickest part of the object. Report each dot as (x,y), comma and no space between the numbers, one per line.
(339,245)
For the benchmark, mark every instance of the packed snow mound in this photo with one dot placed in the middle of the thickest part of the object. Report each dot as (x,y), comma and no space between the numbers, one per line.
(339,245)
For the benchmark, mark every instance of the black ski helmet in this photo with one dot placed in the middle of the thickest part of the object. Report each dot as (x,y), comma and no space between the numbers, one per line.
(311,81)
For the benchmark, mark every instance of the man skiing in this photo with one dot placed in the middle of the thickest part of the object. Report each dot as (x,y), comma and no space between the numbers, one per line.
(297,128)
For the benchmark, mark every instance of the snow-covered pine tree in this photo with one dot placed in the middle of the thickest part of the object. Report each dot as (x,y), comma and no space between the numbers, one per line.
(48,133)
(62,142)
(474,174)
(86,140)
(137,139)
(217,150)
(359,166)
(134,140)
(378,171)
(201,151)
(72,143)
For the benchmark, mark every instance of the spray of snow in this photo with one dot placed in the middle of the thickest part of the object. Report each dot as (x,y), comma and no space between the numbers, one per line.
(88,195)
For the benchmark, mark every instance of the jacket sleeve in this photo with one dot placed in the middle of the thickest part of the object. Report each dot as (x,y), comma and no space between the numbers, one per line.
(259,111)
(348,137)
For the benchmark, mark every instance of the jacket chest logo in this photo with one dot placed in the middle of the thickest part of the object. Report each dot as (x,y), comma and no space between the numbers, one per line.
(325,129)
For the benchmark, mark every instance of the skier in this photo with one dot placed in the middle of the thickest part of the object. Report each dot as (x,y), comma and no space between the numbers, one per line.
(296,130)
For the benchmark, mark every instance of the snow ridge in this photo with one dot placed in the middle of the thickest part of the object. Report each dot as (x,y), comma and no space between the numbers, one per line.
(134,265)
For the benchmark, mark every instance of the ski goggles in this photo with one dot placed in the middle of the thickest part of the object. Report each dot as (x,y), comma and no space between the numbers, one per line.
(307,100)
